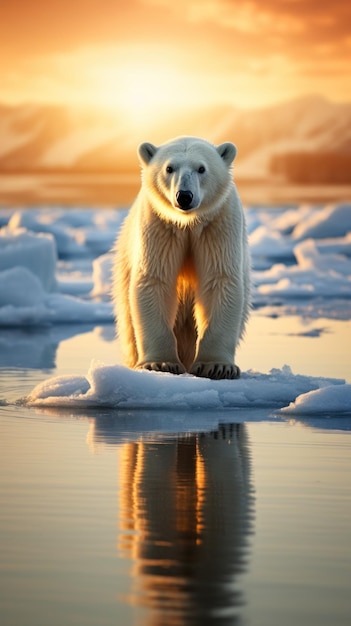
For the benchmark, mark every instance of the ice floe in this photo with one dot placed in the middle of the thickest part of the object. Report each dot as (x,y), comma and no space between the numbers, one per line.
(116,386)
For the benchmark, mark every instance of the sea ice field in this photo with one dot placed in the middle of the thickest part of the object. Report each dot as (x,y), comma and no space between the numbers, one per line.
(147,498)
(55,271)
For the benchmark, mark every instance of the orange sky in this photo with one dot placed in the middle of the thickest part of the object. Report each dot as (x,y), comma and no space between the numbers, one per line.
(153,54)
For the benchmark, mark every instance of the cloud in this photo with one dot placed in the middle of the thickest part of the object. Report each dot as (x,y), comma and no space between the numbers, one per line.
(62,24)
(245,49)
(277,23)
(246,17)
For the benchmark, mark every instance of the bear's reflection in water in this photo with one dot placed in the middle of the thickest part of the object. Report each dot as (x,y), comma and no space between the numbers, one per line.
(186,511)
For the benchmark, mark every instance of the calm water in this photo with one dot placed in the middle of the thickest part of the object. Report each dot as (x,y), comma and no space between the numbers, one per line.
(115,519)
(173,518)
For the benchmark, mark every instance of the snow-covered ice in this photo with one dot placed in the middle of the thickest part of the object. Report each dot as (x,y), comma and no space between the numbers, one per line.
(55,268)
(325,400)
(102,275)
(20,248)
(308,275)
(30,287)
(305,276)
(331,221)
(119,387)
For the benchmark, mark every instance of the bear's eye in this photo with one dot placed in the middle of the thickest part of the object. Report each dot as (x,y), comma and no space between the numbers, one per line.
(201,169)
(169,169)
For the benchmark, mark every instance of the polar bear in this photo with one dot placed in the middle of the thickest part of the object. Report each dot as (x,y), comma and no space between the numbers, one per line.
(181,277)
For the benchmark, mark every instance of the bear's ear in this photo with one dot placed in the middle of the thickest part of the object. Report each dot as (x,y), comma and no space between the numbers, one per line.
(227,151)
(146,151)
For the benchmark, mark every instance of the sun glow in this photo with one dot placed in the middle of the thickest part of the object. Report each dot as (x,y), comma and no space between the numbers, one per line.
(137,81)
(147,90)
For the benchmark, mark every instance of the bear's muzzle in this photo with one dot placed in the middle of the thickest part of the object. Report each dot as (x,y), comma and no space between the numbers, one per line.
(184,199)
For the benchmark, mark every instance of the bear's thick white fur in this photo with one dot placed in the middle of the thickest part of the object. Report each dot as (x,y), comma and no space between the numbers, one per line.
(182,270)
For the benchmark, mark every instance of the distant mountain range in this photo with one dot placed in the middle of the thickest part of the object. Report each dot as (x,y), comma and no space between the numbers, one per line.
(303,140)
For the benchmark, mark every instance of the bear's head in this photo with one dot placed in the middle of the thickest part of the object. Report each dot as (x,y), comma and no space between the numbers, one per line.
(187,179)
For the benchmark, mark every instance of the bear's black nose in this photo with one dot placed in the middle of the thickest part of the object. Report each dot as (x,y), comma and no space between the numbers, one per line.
(184,199)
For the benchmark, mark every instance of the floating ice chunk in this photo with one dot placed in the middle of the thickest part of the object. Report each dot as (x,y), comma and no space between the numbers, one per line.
(75,286)
(286,220)
(316,274)
(28,283)
(36,253)
(265,243)
(332,221)
(73,218)
(288,288)
(39,222)
(330,399)
(119,387)
(336,245)
(20,288)
(95,241)
(102,275)
(308,256)
(56,309)
(62,309)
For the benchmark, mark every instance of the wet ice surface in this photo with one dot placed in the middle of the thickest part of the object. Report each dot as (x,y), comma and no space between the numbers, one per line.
(137,497)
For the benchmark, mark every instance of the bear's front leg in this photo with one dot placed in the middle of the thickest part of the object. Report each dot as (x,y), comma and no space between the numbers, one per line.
(153,309)
(218,316)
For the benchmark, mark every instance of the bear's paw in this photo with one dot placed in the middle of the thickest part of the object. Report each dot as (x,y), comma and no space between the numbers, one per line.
(165,366)
(215,371)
